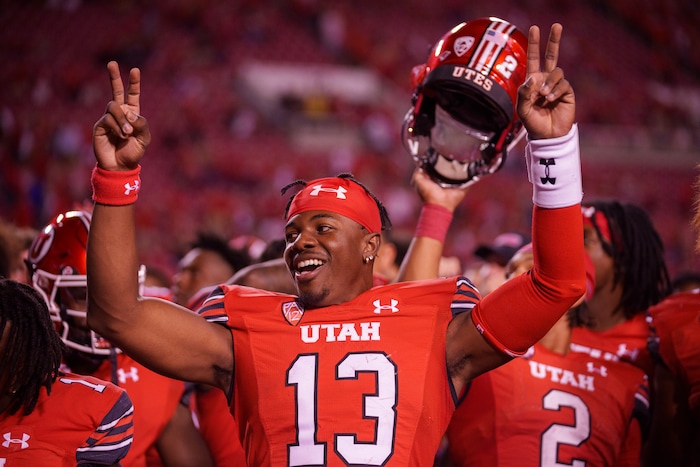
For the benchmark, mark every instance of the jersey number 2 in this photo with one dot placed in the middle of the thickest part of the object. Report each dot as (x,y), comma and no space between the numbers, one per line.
(557,434)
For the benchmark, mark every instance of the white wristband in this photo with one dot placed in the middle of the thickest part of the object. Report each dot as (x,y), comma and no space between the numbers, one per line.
(554,169)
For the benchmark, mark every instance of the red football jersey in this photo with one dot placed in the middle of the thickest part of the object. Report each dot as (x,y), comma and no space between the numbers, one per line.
(676,321)
(154,396)
(85,421)
(361,383)
(551,409)
(218,428)
(627,342)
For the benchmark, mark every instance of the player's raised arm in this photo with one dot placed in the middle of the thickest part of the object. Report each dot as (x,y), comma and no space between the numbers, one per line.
(521,311)
(159,334)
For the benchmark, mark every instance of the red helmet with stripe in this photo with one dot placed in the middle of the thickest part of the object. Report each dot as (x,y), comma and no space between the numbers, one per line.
(57,259)
(463,116)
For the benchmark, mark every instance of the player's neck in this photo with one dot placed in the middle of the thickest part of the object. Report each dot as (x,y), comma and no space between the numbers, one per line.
(604,310)
(558,339)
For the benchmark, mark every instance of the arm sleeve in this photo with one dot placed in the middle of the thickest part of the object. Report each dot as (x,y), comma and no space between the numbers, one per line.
(522,310)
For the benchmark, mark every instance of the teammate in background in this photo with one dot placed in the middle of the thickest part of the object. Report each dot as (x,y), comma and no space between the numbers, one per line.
(328,377)
(209,261)
(516,414)
(48,417)
(57,261)
(552,406)
(631,276)
(675,429)
(14,243)
(488,271)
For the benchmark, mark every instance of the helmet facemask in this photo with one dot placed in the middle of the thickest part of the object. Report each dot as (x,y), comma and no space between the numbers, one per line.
(66,297)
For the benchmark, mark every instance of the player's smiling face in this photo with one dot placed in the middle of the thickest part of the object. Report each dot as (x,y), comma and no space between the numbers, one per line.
(324,254)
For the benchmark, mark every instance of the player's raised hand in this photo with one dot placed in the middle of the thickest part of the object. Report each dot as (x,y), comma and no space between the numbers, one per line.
(120,137)
(546,102)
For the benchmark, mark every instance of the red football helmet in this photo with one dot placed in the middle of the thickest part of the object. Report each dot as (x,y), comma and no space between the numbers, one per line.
(57,263)
(463,116)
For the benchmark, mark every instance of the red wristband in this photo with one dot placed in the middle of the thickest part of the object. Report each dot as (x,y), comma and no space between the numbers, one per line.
(115,188)
(433,222)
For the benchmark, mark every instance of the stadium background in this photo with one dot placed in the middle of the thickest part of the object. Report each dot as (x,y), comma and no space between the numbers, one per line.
(246,96)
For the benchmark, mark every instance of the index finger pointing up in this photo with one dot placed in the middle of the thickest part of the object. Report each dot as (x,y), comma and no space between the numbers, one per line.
(116,81)
(533,50)
(551,55)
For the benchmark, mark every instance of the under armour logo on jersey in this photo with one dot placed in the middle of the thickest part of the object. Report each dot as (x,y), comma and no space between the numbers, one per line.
(23,444)
(339,192)
(463,44)
(292,312)
(378,307)
(123,375)
(129,188)
(624,353)
(592,369)
(547,179)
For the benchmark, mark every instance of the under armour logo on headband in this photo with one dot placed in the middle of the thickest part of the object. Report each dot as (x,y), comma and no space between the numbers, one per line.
(339,192)
(356,204)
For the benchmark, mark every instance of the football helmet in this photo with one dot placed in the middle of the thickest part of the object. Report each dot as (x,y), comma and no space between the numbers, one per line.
(463,116)
(57,264)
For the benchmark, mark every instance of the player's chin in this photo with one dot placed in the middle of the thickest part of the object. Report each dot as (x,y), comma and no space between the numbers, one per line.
(311,298)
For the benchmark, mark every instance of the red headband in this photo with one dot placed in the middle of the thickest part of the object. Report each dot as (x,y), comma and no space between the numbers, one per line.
(593,218)
(339,195)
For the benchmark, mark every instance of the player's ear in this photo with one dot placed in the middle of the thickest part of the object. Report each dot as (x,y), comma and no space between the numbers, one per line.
(373,242)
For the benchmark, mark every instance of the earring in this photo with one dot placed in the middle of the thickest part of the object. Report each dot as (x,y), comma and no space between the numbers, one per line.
(369,258)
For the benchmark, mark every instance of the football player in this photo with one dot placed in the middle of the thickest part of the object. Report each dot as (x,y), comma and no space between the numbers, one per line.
(49,417)
(675,436)
(343,372)
(631,276)
(57,263)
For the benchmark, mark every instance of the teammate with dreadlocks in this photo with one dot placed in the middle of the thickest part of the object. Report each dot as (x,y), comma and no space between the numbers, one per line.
(163,427)
(48,417)
(631,276)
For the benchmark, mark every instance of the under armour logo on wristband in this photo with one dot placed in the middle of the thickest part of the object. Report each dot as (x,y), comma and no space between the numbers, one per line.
(129,188)
(547,179)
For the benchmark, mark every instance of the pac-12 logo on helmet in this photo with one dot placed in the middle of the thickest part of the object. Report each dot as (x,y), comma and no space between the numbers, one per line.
(463,116)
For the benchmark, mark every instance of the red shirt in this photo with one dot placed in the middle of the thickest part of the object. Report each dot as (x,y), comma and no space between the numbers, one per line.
(551,409)
(85,421)
(626,342)
(218,428)
(155,398)
(676,321)
(364,382)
